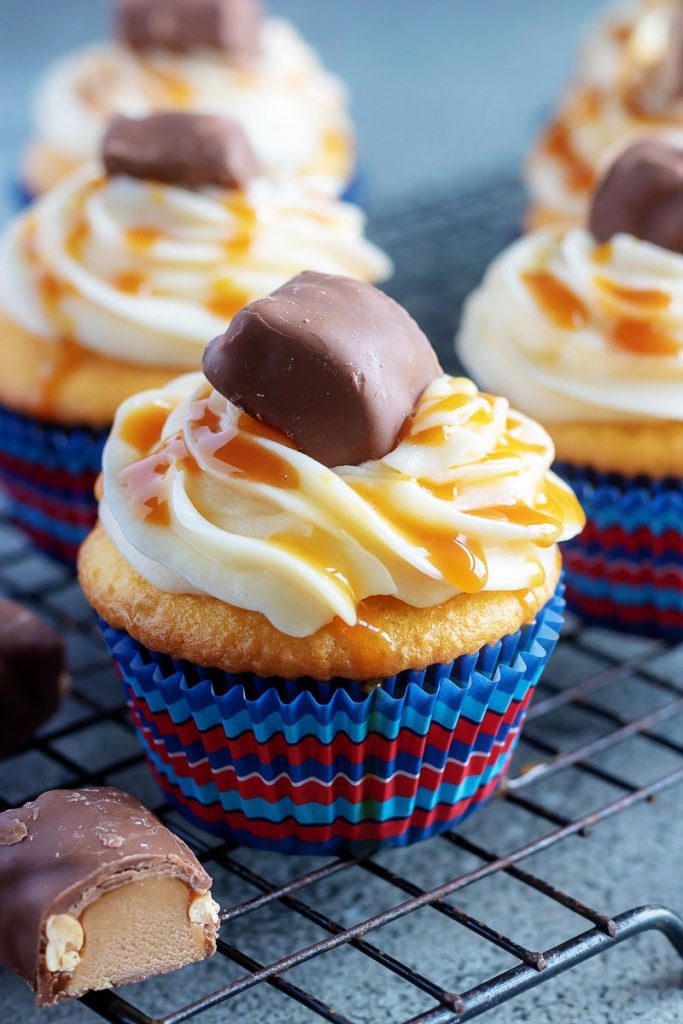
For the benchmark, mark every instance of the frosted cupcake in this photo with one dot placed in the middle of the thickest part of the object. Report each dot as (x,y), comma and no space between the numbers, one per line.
(584,330)
(621,41)
(328,574)
(630,84)
(206,56)
(113,281)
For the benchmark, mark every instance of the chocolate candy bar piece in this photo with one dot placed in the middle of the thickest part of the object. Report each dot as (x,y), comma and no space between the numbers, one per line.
(33,677)
(231,26)
(96,892)
(187,150)
(641,193)
(334,364)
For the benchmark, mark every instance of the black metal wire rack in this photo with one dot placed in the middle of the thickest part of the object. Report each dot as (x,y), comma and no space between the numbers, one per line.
(604,735)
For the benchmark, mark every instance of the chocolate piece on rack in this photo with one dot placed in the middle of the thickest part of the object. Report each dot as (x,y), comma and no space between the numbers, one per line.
(33,675)
(96,892)
(641,193)
(334,364)
(188,150)
(231,26)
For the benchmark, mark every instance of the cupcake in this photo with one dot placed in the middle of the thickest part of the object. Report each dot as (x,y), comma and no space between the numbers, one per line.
(630,84)
(583,329)
(111,281)
(329,576)
(204,56)
(621,41)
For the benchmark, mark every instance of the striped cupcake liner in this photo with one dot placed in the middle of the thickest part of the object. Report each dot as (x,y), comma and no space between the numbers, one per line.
(48,472)
(334,767)
(625,570)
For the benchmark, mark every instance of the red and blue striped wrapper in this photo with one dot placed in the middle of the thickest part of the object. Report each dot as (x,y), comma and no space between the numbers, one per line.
(334,767)
(625,570)
(48,473)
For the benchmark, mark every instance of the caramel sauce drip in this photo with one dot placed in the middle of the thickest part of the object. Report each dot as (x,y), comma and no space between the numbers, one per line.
(250,425)
(77,238)
(130,282)
(142,239)
(580,175)
(436,435)
(511,445)
(602,253)
(249,459)
(644,338)
(246,219)
(459,559)
(652,298)
(557,301)
(528,517)
(159,513)
(370,643)
(208,419)
(319,550)
(143,427)
(226,299)
(166,90)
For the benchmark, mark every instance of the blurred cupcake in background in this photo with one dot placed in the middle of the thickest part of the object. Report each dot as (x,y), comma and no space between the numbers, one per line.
(112,282)
(583,329)
(219,57)
(329,576)
(630,83)
(620,40)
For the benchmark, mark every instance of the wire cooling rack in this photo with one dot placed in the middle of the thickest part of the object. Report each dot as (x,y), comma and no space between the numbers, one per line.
(445,931)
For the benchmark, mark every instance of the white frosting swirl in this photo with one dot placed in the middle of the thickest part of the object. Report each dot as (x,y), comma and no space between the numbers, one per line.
(149,273)
(609,107)
(293,111)
(573,331)
(221,506)
(626,37)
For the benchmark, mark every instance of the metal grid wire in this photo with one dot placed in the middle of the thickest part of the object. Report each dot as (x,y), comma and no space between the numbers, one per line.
(292,924)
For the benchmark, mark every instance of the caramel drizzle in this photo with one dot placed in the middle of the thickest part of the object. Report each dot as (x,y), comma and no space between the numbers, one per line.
(558,302)
(143,238)
(558,143)
(458,559)
(638,335)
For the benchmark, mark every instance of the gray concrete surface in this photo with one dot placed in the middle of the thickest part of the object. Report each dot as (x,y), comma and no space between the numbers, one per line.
(444,91)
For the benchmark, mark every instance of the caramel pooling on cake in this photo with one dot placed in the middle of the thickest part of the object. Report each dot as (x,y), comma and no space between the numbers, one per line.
(95,892)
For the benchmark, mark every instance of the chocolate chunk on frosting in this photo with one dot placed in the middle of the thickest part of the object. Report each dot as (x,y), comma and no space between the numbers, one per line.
(641,193)
(32,674)
(187,150)
(96,892)
(334,364)
(231,26)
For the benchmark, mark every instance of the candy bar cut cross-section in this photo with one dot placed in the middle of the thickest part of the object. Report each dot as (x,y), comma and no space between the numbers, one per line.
(95,892)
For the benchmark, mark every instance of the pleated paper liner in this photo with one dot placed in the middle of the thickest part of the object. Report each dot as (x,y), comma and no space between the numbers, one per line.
(335,766)
(48,472)
(626,569)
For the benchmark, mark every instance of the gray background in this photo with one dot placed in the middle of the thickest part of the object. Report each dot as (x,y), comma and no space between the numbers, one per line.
(444,91)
